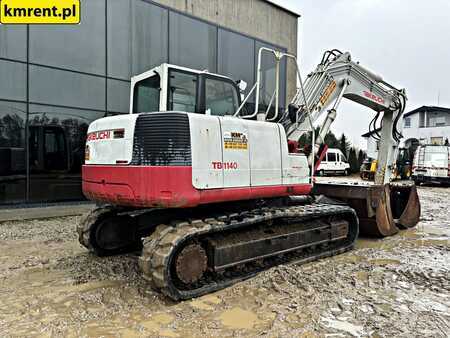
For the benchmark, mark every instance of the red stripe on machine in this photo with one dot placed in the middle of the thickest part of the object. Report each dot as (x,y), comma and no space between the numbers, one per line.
(142,186)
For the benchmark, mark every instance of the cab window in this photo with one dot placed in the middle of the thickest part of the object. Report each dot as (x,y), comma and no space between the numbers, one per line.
(220,97)
(146,95)
(182,91)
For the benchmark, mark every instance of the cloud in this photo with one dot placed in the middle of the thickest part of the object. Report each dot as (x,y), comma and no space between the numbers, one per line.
(406,42)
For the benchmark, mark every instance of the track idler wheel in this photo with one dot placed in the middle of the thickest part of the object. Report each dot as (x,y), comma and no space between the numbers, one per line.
(105,233)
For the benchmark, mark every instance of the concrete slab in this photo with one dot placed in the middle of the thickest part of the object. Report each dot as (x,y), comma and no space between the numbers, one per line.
(19,214)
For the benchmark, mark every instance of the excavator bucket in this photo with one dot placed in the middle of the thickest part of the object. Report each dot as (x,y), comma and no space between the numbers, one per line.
(405,204)
(382,209)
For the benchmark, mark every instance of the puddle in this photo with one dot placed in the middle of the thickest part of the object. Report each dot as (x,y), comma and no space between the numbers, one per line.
(238,318)
(150,325)
(363,243)
(350,258)
(198,304)
(158,321)
(129,333)
(211,299)
(354,330)
(168,333)
(163,318)
(362,276)
(384,262)
(432,242)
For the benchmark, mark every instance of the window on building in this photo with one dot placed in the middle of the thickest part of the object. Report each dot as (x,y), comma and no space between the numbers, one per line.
(407,122)
(268,79)
(220,97)
(182,91)
(84,44)
(57,145)
(422,119)
(146,95)
(55,150)
(437,140)
(64,88)
(236,60)
(438,121)
(192,43)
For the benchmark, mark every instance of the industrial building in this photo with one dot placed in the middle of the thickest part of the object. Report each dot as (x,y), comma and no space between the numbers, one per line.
(424,125)
(427,124)
(56,79)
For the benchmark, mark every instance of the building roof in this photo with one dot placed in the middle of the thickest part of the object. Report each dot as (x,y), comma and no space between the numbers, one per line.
(412,112)
(427,108)
(276,4)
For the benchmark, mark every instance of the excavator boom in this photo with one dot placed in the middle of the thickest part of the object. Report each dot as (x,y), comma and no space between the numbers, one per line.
(337,77)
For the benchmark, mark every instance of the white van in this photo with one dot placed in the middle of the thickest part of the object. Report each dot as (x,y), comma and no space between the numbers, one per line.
(431,164)
(334,162)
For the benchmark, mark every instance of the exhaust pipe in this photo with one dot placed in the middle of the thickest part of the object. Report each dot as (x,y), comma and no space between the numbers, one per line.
(382,209)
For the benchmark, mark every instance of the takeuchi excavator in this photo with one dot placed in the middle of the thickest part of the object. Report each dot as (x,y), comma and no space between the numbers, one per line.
(213,192)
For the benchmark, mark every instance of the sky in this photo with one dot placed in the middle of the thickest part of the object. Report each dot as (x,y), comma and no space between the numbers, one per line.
(407,42)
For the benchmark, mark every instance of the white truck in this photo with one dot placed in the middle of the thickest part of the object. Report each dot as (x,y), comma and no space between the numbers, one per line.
(432,164)
(334,162)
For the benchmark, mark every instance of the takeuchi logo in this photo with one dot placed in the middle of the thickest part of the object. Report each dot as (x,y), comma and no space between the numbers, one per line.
(373,97)
(99,135)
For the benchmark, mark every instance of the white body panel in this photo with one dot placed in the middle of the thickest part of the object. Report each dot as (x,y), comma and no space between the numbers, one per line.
(334,162)
(205,135)
(235,149)
(226,152)
(265,154)
(249,153)
(104,148)
(432,161)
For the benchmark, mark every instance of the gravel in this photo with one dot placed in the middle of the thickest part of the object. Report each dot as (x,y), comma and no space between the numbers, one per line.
(398,286)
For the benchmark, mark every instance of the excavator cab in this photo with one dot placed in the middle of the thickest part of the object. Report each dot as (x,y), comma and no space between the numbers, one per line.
(173,88)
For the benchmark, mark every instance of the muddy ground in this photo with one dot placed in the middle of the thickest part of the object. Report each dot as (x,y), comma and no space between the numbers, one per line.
(399,286)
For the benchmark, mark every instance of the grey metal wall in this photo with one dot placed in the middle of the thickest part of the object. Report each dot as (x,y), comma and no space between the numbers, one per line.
(55,80)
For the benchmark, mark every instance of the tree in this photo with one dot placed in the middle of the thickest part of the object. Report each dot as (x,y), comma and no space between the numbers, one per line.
(353,160)
(344,144)
(331,140)
(361,156)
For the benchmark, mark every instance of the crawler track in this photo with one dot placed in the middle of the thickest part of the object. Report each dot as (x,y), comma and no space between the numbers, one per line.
(158,260)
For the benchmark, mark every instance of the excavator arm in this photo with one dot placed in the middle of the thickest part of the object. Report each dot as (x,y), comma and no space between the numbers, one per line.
(337,77)
(382,208)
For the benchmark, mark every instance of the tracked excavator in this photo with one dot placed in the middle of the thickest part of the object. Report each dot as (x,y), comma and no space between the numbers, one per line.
(213,193)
